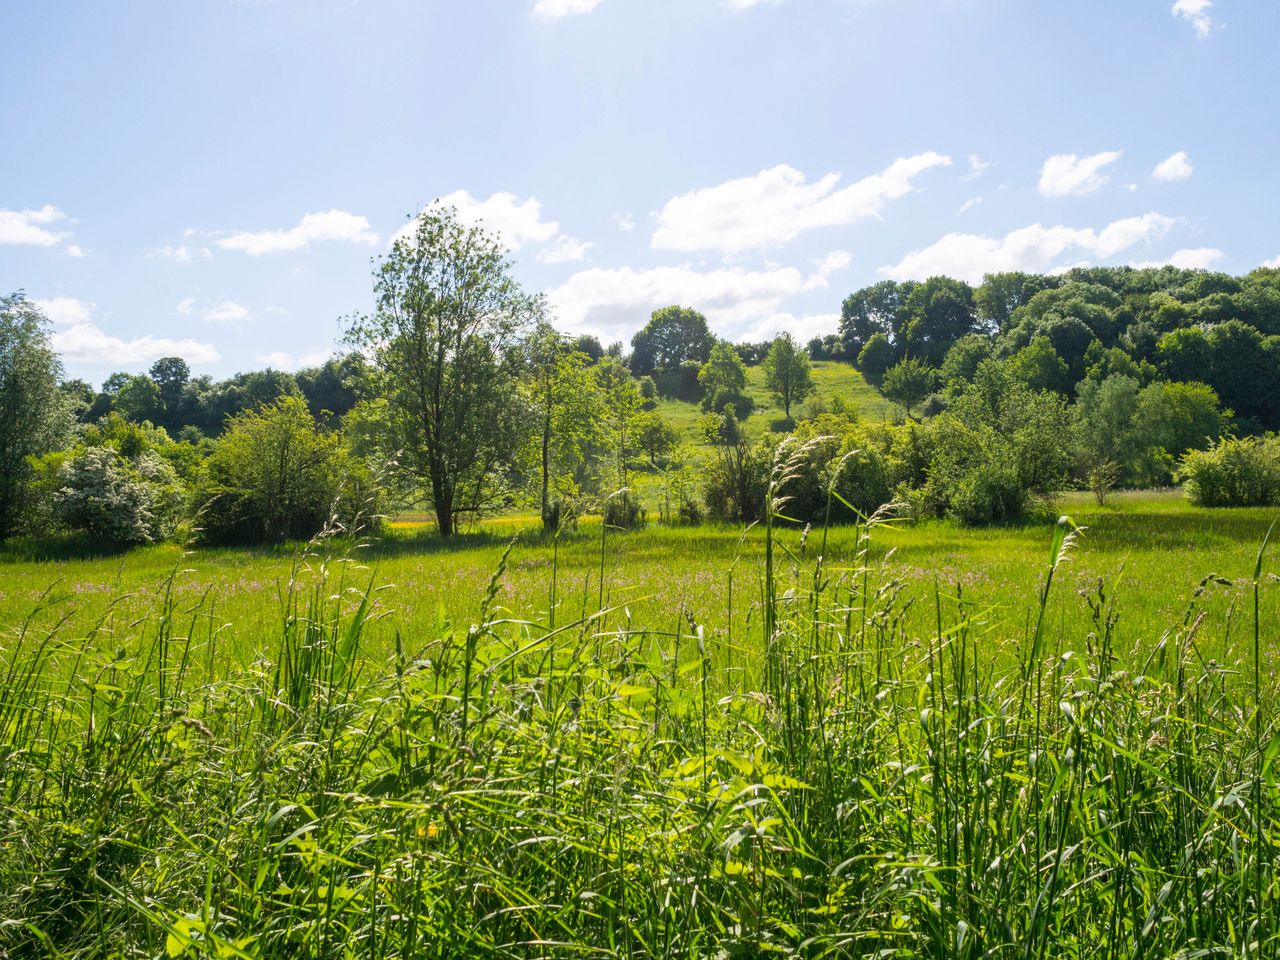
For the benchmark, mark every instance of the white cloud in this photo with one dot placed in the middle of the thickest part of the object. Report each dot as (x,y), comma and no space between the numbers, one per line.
(1036,248)
(329,225)
(616,302)
(1272,264)
(803,328)
(625,222)
(1067,174)
(1195,12)
(968,205)
(27,228)
(833,262)
(977,167)
(516,222)
(551,10)
(224,311)
(1200,258)
(88,344)
(1175,168)
(63,311)
(738,5)
(75,250)
(182,254)
(186,305)
(565,249)
(776,205)
(280,360)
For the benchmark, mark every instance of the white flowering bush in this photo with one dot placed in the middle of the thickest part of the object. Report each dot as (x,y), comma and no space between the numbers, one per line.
(118,500)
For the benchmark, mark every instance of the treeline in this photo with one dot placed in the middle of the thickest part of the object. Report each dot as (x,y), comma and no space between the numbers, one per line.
(457,393)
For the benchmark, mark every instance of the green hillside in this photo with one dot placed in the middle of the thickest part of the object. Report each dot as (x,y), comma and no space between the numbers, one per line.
(833,379)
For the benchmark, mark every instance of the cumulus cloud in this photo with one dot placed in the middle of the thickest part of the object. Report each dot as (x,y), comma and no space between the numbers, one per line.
(550,11)
(1199,258)
(968,205)
(224,311)
(1272,264)
(336,225)
(1195,12)
(565,249)
(63,311)
(833,262)
(1067,174)
(180,254)
(79,340)
(75,250)
(776,205)
(30,228)
(516,222)
(186,305)
(804,328)
(86,343)
(626,223)
(1036,248)
(1175,168)
(615,302)
(279,360)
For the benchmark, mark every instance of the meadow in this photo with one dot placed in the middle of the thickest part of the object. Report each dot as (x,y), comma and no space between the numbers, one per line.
(889,740)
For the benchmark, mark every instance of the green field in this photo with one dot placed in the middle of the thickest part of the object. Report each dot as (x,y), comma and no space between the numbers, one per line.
(932,742)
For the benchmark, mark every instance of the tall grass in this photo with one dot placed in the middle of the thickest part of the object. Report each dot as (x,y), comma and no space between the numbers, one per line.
(568,783)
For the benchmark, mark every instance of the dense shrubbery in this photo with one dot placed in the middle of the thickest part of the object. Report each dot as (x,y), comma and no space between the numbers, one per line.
(276,476)
(1238,472)
(118,500)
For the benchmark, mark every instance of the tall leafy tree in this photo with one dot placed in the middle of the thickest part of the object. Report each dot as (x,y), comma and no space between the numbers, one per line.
(35,414)
(623,406)
(672,336)
(723,377)
(444,337)
(879,308)
(939,312)
(787,373)
(566,405)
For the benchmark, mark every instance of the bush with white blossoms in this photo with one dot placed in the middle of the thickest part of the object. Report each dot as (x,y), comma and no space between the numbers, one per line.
(118,500)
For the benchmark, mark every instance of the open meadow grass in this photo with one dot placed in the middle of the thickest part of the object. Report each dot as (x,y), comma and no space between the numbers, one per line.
(904,740)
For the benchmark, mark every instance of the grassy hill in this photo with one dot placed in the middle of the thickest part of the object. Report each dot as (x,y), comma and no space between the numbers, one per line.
(833,379)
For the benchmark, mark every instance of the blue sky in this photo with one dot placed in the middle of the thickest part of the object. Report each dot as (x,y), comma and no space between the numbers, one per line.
(214,178)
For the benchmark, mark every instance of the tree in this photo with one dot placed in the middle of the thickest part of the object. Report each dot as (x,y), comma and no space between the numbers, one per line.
(655,437)
(333,387)
(35,414)
(672,336)
(566,404)
(171,376)
(276,476)
(876,357)
(444,337)
(1039,367)
(909,383)
(878,309)
(787,373)
(1113,445)
(622,409)
(138,399)
(723,377)
(938,313)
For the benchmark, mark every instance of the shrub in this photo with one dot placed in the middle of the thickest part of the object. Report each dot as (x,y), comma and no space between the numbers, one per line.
(118,500)
(1242,472)
(875,358)
(276,476)
(864,482)
(625,511)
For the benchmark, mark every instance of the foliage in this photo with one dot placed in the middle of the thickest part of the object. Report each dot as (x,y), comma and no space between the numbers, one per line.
(117,500)
(787,373)
(35,415)
(736,481)
(276,476)
(909,382)
(724,378)
(1236,472)
(444,340)
(673,335)
(876,358)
